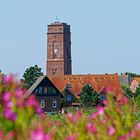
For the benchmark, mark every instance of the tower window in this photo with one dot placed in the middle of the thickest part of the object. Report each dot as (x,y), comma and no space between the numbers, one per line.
(54,49)
(54,71)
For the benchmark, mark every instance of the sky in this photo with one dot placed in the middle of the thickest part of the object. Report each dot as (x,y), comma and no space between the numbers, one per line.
(105,34)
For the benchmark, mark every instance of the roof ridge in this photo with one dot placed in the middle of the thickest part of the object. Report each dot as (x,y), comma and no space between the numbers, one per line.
(82,75)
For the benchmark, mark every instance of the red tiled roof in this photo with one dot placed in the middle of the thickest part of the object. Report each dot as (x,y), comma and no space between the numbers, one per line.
(110,81)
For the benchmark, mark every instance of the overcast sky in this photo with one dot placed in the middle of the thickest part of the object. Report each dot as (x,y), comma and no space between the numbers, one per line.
(105,34)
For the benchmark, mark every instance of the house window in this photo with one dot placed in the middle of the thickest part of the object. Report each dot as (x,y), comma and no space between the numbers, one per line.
(45,89)
(69,98)
(36,91)
(42,103)
(102,97)
(51,90)
(40,90)
(135,87)
(54,103)
(68,86)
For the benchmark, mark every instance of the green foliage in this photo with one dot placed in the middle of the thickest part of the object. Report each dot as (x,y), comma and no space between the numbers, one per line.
(134,98)
(132,74)
(18,121)
(89,97)
(127,92)
(63,102)
(31,75)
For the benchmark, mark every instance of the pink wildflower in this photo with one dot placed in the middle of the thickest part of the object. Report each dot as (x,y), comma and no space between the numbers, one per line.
(70,138)
(32,101)
(38,134)
(9,104)
(19,93)
(58,123)
(103,121)
(124,100)
(10,135)
(131,134)
(93,116)
(138,125)
(6,96)
(8,78)
(69,115)
(100,110)
(51,123)
(39,110)
(111,131)
(47,137)
(1,134)
(20,103)
(76,117)
(122,138)
(9,114)
(42,116)
(91,128)
(105,102)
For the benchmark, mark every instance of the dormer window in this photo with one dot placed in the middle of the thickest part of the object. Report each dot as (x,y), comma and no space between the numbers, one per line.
(102,97)
(68,86)
(69,98)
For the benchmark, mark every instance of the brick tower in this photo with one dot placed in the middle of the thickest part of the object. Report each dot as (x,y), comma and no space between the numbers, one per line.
(59,49)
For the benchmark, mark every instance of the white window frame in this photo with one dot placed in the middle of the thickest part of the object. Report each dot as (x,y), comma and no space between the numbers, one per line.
(42,103)
(54,104)
(135,87)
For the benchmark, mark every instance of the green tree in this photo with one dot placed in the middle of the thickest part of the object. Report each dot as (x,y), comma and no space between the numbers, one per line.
(89,97)
(134,98)
(128,93)
(137,97)
(132,74)
(30,76)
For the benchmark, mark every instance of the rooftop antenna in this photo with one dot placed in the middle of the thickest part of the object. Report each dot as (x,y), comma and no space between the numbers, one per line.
(57,19)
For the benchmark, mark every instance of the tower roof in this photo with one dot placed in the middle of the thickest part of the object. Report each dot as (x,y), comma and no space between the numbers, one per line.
(57,23)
